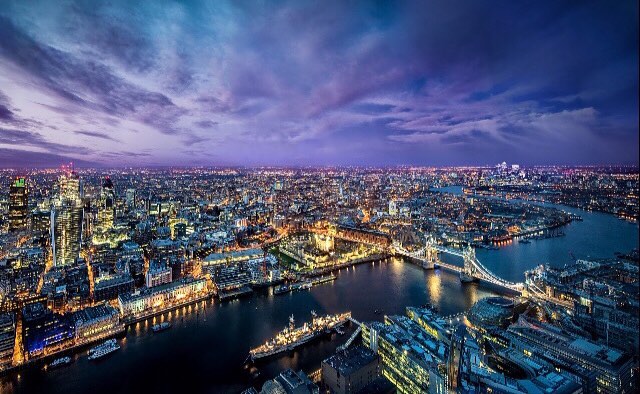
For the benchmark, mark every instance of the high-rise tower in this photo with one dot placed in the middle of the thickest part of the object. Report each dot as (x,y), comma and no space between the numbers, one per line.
(66,220)
(18,205)
(106,205)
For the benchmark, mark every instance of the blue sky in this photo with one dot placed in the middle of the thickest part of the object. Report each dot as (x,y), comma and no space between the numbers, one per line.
(318,83)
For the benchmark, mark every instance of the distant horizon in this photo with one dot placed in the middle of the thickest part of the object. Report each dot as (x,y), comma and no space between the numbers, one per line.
(293,167)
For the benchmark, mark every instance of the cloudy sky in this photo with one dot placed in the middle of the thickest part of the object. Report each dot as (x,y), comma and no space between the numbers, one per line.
(318,83)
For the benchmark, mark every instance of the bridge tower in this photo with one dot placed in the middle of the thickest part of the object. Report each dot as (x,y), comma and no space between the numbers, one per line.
(470,271)
(430,253)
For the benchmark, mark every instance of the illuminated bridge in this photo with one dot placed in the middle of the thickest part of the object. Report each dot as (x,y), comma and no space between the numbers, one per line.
(472,269)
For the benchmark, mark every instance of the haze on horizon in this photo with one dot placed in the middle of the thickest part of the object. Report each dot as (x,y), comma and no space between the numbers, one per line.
(318,83)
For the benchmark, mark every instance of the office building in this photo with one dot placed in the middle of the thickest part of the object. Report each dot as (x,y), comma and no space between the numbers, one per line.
(601,369)
(173,293)
(96,322)
(410,359)
(158,274)
(18,205)
(7,338)
(349,371)
(66,231)
(67,221)
(130,198)
(106,205)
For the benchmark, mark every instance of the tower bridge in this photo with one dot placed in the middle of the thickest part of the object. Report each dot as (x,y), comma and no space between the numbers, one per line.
(472,270)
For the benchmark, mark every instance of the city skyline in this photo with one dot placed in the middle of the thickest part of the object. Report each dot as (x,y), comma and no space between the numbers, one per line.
(408,277)
(291,84)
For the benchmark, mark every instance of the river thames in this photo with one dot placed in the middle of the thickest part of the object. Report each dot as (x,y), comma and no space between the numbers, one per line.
(206,348)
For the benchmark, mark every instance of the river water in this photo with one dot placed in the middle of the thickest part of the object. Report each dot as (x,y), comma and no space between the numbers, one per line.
(206,348)
(599,235)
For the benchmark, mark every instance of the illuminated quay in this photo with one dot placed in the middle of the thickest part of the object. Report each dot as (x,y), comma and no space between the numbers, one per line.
(142,305)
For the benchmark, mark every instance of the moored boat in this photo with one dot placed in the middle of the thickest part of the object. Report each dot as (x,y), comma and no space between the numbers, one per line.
(104,351)
(161,327)
(292,336)
(107,343)
(60,362)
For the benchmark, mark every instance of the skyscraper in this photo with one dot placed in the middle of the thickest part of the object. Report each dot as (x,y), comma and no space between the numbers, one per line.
(18,205)
(106,205)
(69,184)
(131,198)
(66,220)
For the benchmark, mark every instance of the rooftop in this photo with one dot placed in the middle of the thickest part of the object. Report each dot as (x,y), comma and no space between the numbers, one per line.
(351,360)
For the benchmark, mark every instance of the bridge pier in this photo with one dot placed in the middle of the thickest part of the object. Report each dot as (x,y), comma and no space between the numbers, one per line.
(469,272)
(430,254)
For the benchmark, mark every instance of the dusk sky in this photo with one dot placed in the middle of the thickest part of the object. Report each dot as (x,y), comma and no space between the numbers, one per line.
(318,83)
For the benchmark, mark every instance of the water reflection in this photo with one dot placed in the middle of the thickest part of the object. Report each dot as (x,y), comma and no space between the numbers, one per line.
(434,287)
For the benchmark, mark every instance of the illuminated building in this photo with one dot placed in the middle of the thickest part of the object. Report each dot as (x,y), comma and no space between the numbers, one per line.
(96,322)
(112,236)
(431,323)
(109,287)
(600,368)
(18,205)
(241,223)
(158,274)
(410,359)
(106,205)
(230,280)
(44,329)
(130,198)
(7,338)
(170,294)
(41,221)
(66,221)
(393,208)
(66,231)
(491,311)
(70,185)
(233,257)
(324,243)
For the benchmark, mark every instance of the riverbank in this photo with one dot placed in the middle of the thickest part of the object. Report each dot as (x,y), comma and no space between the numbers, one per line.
(504,196)
(41,361)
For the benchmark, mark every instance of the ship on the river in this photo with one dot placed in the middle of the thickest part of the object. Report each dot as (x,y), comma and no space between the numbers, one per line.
(103,350)
(161,327)
(292,336)
(60,362)
(303,285)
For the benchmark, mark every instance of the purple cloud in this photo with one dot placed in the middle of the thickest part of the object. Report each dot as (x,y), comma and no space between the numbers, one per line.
(442,82)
